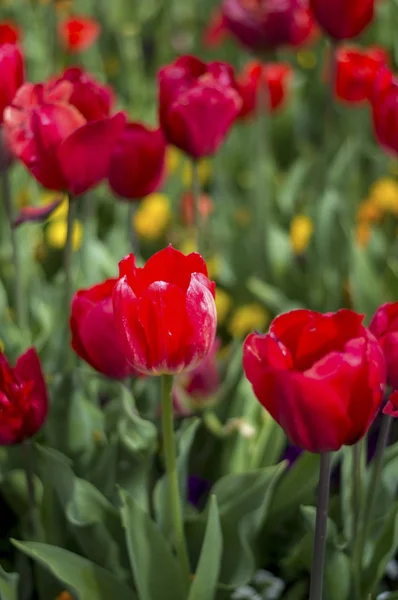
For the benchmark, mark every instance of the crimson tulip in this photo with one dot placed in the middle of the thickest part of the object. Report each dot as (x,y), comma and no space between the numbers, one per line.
(384,326)
(138,161)
(165,312)
(198,103)
(79,33)
(94,335)
(269,24)
(91,98)
(9,33)
(384,101)
(343,19)
(320,376)
(23,398)
(61,149)
(356,71)
(11,75)
(275,78)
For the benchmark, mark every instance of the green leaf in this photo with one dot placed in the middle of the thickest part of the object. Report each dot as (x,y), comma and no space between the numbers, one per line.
(86,579)
(206,577)
(309,514)
(8,585)
(156,571)
(272,297)
(366,287)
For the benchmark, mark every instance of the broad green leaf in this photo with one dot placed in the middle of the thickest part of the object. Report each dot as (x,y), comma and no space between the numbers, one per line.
(86,579)
(206,577)
(272,297)
(8,585)
(156,571)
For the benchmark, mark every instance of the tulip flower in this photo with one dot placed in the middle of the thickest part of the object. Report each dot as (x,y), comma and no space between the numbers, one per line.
(94,335)
(320,376)
(384,101)
(165,312)
(198,103)
(384,326)
(138,162)
(23,398)
(269,24)
(275,78)
(215,32)
(91,98)
(356,71)
(79,33)
(55,142)
(11,75)
(9,33)
(343,19)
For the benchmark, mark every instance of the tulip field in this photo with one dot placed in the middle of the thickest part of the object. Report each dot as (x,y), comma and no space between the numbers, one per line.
(198,299)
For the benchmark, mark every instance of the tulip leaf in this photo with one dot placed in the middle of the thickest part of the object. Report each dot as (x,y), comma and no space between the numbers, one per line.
(8,585)
(156,571)
(83,577)
(206,577)
(384,549)
(366,287)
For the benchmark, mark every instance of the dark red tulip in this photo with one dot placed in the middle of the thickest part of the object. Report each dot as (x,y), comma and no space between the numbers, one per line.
(138,161)
(269,24)
(384,326)
(385,109)
(273,77)
(198,103)
(94,334)
(23,398)
(11,75)
(91,98)
(165,312)
(320,376)
(343,19)
(79,33)
(356,70)
(55,142)
(9,33)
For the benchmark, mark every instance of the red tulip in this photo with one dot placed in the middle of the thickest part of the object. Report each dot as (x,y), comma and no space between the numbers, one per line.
(187,210)
(138,162)
(165,312)
(385,109)
(79,33)
(384,326)
(91,98)
(215,32)
(269,24)
(9,33)
(198,103)
(343,19)
(275,78)
(11,75)
(94,335)
(55,142)
(23,398)
(321,377)
(356,71)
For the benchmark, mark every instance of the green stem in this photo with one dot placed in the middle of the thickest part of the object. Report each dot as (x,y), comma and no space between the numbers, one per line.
(172,475)
(318,557)
(199,224)
(19,304)
(133,240)
(357,481)
(33,516)
(68,252)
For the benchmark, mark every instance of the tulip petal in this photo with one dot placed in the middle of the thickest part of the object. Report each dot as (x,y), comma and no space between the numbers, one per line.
(28,369)
(85,155)
(202,316)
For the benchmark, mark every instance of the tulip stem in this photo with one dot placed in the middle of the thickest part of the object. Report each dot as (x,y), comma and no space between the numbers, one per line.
(19,304)
(318,557)
(133,240)
(27,451)
(68,252)
(172,475)
(199,224)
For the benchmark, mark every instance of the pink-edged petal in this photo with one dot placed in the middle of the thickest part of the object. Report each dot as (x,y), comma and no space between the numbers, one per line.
(36,213)
(202,317)
(163,316)
(85,155)
(131,332)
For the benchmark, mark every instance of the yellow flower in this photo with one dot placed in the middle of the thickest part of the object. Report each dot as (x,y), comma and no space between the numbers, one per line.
(301,229)
(363,234)
(153,217)
(213,266)
(384,194)
(369,211)
(247,318)
(188,245)
(223,305)
(306,59)
(56,234)
(61,212)
(173,159)
(204,172)
(65,596)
